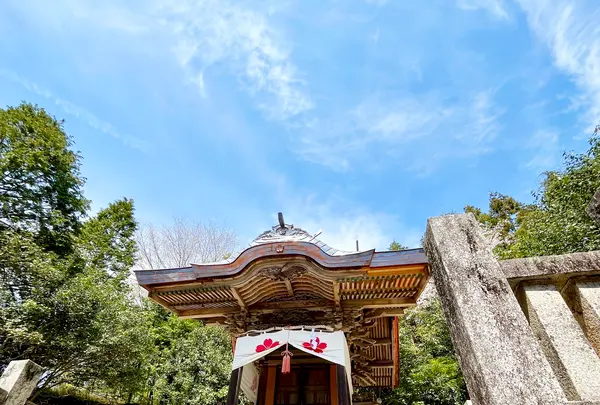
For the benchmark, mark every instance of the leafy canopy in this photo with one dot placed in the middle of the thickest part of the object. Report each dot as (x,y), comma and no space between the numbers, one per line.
(40,183)
(429,370)
(65,299)
(557,221)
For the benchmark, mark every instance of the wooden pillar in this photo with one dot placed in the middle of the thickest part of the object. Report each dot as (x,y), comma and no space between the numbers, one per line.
(271,380)
(234,386)
(262,386)
(342,386)
(333,385)
(395,353)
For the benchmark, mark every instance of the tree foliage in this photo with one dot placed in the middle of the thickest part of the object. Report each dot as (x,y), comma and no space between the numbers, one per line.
(397,246)
(557,221)
(429,370)
(193,363)
(65,302)
(40,184)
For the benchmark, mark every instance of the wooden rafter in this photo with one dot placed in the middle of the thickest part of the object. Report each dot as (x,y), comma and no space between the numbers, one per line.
(380,303)
(290,289)
(238,298)
(208,313)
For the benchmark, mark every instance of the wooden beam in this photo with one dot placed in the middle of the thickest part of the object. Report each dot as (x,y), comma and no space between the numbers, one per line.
(395,353)
(344,397)
(336,293)
(207,312)
(381,364)
(270,391)
(383,342)
(380,303)
(288,285)
(422,284)
(333,384)
(383,313)
(300,304)
(234,386)
(238,297)
(394,270)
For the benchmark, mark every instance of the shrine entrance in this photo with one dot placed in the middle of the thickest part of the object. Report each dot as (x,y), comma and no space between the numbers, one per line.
(292,367)
(307,384)
(309,381)
(291,288)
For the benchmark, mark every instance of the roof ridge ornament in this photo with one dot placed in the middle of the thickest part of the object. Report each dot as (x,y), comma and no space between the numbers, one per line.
(282,229)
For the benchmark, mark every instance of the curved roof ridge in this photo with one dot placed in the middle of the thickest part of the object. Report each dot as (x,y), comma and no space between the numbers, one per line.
(289,233)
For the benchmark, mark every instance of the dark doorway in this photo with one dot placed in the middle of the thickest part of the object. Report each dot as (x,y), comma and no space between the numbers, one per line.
(306,384)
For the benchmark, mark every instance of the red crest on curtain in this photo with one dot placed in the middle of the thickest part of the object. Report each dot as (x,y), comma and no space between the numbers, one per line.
(266,345)
(315,345)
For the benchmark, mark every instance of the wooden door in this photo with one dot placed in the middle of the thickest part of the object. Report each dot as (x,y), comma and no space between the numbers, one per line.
(304,385)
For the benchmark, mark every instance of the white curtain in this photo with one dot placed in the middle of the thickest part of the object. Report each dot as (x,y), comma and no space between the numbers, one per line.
(249,384)
(330,346)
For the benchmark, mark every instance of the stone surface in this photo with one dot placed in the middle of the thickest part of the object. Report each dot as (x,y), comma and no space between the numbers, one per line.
(499,356)
(553,268)
(589,301)
(19,380)
(570,354)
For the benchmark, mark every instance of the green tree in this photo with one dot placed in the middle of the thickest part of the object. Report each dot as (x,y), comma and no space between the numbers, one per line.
(72,315)
(396,246)
(63,300)
(40,184)
(429,370)
(557,221)
(193,362)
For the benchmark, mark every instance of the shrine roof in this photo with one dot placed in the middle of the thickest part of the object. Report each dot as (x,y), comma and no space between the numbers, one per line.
(287,276)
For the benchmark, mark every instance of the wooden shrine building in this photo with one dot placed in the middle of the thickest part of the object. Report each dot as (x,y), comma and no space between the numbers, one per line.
(334,312)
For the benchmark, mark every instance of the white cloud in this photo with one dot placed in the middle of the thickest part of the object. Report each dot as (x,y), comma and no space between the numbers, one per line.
(231,38)
(483,117)
(342,223)
(418,131)
(76,111)
(570,30)
(212,33)
(495,7)
(546,153)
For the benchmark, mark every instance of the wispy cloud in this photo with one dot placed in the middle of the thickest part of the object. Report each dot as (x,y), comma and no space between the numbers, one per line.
(76,111)
(216,34)
(421,131)
(343,223)
(570,30)
(496,8)
(546,152)
(200,36)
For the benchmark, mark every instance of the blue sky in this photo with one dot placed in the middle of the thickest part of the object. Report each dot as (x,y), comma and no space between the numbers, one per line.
(360,118)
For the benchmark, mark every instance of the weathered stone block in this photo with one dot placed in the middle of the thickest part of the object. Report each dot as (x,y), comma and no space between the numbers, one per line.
(589,300)
(569,352)
(19,380)
(499,356)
